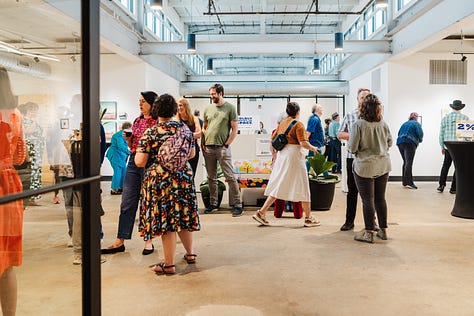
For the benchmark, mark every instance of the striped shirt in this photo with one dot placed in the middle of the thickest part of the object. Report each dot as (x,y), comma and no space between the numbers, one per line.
(347,123)
(448,127)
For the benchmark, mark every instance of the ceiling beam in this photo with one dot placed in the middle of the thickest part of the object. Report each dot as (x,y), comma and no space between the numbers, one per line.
(266,47)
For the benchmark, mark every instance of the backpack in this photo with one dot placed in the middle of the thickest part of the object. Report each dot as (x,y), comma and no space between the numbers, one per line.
(175,150)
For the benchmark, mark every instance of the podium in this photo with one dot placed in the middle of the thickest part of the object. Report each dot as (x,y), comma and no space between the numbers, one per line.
(462,153)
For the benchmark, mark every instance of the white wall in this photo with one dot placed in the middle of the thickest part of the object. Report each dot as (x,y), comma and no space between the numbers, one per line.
(404,89)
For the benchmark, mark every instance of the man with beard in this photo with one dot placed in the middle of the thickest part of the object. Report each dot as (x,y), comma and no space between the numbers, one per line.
(219,131)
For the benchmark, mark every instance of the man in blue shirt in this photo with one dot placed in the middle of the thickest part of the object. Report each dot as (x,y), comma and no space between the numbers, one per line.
(315,128)
(335,143)
(448,132)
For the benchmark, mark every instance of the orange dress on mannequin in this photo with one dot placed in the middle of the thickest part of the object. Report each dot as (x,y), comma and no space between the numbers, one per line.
(12,152)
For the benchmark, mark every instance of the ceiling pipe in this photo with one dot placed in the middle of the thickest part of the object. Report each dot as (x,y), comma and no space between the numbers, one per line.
(301,88)
(24,65)
(211,3)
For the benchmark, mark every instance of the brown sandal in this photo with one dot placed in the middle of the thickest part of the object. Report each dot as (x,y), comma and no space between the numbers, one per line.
(163,268)
(190,258)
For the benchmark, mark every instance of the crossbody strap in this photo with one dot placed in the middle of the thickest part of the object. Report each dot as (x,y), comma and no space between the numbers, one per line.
(289,127)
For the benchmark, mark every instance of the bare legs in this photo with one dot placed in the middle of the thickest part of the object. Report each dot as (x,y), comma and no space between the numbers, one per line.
(169,249)
(8,292)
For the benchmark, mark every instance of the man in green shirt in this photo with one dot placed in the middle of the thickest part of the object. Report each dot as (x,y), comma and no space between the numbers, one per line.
(219,131)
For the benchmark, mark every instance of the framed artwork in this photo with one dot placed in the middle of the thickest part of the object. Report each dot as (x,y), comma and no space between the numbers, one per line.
(64,123)
(110,108)
(110,128)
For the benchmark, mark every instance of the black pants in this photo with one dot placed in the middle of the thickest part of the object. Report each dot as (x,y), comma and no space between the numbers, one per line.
(407,150)
(372,193)
(335,154)
(351,199)
(445,169)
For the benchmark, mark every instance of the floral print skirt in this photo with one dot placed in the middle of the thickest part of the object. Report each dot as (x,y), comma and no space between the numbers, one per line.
(167,202)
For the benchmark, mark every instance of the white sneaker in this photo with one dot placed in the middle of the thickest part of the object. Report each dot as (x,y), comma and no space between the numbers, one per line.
(69,242)
(260,218)
(77,260)
(311,222)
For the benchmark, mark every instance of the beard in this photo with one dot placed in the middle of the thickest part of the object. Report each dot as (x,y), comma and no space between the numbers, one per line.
(215,100)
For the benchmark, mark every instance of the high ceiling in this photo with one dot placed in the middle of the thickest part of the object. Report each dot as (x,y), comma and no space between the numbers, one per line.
(262,37)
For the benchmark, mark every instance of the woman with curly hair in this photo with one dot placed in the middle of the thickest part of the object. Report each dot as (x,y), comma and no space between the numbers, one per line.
(168,204)
(369,141)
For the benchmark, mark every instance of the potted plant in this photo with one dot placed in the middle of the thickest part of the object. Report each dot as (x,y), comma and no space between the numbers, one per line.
(204,188)
(321,184)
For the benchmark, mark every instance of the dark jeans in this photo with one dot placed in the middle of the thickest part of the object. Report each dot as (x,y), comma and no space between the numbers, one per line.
(372,193)
(335,153)
(130,198)
(407,150)
(445,169)
(352,192)
(194,161)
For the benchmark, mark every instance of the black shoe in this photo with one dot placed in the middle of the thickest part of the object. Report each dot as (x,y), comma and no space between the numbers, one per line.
(440,189)
(109,251)
(452,191)
(210,209)
(237,211)
(347,226)
(146,252)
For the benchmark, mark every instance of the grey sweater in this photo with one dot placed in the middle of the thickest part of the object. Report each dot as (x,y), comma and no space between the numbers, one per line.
(369,142)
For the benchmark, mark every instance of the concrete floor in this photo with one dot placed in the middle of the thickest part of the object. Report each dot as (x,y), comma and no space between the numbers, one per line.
(425,267)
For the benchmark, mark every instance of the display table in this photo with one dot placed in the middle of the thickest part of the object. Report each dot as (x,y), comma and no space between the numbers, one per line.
(462,153)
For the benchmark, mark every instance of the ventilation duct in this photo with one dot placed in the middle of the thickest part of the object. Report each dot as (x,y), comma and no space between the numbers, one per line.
(23,65)
(277,88)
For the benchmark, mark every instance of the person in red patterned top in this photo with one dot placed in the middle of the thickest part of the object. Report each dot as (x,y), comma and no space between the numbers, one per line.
(133,177)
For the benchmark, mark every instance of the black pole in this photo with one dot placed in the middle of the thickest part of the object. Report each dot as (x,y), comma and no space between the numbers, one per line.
(91,279)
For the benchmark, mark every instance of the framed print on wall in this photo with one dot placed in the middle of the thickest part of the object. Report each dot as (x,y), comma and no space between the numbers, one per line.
(111,110)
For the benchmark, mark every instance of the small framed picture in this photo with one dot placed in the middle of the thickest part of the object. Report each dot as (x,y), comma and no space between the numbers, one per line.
(64,123)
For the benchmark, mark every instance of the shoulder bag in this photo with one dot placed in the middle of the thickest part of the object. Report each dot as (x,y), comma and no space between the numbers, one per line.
(280,140)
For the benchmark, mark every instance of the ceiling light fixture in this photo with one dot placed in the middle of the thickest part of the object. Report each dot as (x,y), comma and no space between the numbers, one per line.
(156,4)
(338,36)
(463,58)
(191,42)
(381,3)
(209,66)
(338,41)
(316,64)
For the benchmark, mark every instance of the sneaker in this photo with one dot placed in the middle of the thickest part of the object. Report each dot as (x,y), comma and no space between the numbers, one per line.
(69,242)
(210,209)
(412,186)
(237,211)
(77,260)
(311,222)
(260,218)
(440,189)
(452,191)
(364,236)
(382,234)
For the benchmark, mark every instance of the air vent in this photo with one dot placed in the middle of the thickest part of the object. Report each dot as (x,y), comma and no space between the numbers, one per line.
(448,72)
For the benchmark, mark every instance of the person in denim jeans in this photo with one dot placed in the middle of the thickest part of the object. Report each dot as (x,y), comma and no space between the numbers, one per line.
(133,177)
(219,131)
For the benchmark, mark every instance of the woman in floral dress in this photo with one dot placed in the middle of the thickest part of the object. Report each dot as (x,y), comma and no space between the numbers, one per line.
(168,198)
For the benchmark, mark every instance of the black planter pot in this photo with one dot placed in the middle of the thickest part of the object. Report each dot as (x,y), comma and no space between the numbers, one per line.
(206,198)
(322,195)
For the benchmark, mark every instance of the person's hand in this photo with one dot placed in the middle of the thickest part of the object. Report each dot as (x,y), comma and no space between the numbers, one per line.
(442,151)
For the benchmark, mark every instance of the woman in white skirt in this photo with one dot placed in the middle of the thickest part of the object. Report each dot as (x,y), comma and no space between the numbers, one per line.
(289,178)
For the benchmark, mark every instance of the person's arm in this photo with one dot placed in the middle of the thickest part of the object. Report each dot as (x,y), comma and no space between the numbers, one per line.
(197,132)
(419,132)
(307,145)
(441,136)
(203,138)
(354,140)
(234,126)
(343,130)
(192,152)
(141,159)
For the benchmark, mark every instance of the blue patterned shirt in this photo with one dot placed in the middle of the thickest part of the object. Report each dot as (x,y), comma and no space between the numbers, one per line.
(316,138)
(347,123)
(448,127)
